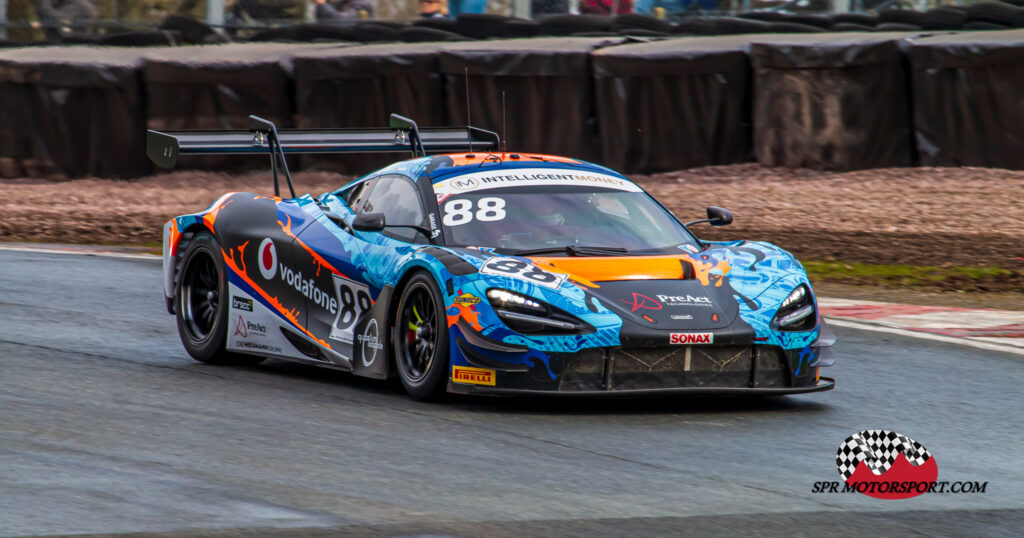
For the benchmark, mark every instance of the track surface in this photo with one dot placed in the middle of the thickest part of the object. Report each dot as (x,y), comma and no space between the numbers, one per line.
(106,426)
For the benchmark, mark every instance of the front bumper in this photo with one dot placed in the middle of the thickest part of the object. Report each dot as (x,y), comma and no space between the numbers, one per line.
(700,369)
(822,384)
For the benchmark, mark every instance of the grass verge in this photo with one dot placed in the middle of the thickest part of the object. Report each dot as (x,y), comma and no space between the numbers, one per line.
(969,279)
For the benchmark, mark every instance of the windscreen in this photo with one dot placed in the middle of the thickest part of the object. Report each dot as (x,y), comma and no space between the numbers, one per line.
(521,210)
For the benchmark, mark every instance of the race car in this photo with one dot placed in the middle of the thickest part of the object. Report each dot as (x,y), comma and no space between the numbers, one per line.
(477,270)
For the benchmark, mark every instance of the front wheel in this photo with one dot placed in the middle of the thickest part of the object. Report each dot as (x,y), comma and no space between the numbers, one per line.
(202,304)
(420,339)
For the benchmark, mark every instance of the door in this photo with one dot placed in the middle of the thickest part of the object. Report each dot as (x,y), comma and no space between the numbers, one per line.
(362,267)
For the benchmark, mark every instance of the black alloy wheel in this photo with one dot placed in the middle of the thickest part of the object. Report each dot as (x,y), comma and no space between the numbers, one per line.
(420,339)
(202,304)
(200,294)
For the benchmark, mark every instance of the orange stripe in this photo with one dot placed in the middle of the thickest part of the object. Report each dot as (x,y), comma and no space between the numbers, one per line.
(211,216)
(173,239)
(462,159)
(466,312)
(602,268)
(316,257)
(704,268)
(290,315)
(241,255)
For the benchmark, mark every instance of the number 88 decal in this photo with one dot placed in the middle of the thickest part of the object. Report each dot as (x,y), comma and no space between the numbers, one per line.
(353,304)
(520,269)
(458,212)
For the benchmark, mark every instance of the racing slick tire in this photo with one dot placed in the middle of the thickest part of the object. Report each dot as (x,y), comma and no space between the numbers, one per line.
(420,339)
(202,304)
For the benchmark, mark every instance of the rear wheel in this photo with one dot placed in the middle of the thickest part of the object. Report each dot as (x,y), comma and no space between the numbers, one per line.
(420,339)
(202,304)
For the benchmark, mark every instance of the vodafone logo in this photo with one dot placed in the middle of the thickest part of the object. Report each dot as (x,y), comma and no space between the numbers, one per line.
(691,338)
(267,258)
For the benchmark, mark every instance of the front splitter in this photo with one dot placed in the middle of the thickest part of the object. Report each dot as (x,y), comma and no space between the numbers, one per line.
(823,384)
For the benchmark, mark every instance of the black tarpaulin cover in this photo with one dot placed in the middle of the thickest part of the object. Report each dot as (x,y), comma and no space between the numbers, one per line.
(674,104)
(361,87)
(218,87)
(968,94)
(71,111)
(548,87)
(831,101)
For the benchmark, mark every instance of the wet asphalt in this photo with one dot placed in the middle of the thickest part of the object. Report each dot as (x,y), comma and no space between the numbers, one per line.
(108,427)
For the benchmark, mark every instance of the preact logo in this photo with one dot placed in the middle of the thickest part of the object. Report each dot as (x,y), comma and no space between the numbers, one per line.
(691,338)
(472,376)
(685,300)
(642,301)
(244,326)
(267,258)
(886,465)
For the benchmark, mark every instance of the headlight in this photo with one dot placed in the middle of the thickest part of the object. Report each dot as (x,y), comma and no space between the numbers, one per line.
(797,294)
(797,311)
(529,316)
(506,299)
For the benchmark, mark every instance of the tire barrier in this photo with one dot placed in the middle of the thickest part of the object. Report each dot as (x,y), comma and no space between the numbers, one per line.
(835,103)
(838,100)
(218,87)
(72,111)
(967,90)
(547,85)
(359,87)
(643,91)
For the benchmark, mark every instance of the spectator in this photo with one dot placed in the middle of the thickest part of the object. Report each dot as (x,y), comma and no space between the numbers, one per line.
(344,9)
(433,9)
(53,14)
(466,6)
(606,7)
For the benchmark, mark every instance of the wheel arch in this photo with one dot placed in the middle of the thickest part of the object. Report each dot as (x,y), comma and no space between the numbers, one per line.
(415,267)
(176,244)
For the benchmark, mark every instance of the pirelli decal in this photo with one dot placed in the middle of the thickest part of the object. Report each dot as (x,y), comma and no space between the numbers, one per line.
(473,376)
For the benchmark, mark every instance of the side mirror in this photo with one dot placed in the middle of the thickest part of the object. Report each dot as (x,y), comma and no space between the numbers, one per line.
(369,222)
(717,216)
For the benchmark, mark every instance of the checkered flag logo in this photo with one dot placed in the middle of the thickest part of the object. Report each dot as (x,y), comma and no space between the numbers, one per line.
(879,449)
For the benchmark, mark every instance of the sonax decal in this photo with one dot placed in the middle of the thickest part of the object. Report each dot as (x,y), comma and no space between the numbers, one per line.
(692,338)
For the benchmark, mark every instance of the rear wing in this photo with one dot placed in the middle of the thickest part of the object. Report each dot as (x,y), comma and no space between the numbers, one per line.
(402,134)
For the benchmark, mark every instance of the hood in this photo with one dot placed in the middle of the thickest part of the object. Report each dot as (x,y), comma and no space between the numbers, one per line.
(681,291)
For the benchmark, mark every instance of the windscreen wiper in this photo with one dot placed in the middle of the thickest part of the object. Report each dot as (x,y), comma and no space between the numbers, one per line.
(572,250)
